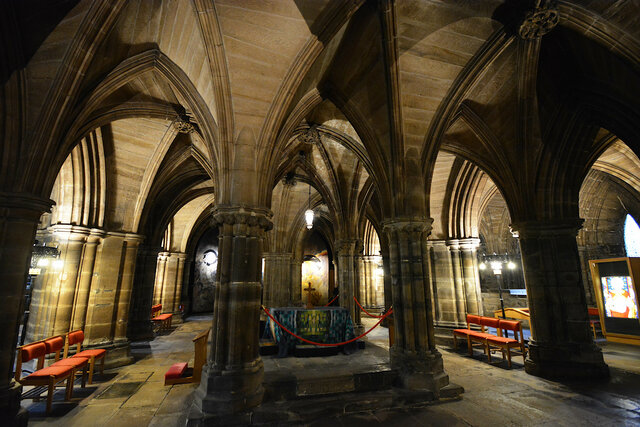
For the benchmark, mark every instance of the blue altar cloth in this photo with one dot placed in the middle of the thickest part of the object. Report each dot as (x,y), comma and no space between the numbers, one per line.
(327,325)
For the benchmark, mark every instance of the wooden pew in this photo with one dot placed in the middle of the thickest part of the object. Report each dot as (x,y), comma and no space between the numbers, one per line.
(179,373)
(76,338)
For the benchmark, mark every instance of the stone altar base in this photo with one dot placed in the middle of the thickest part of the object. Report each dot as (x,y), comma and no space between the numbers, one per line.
(302,397)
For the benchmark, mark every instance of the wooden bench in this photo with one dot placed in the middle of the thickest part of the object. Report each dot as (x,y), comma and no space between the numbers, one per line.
(50,376)
(162,320)
(474,336)
(487,340)
(594,312)
(506,343)
(77,338)
(179,373)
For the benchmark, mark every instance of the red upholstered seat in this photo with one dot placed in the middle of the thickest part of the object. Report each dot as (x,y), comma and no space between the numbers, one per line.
(96,353)
(491,322)
(55,371)
(75,362)
(511,325)
(163,316)
(501,339)
(176,370)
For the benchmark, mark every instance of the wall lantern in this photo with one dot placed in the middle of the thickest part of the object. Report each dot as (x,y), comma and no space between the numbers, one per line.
(210,257)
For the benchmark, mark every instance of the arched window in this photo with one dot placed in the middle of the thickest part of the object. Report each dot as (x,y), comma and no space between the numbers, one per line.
(631,237)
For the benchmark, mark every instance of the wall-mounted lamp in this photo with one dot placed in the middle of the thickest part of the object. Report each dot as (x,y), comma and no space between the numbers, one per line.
(210,257)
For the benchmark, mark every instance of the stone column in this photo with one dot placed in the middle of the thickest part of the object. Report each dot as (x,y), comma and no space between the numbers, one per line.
(277,279)
(85,276)
(71,239)
(232,379)
(561,344)
(158,288)
(179,283)
(386,266)
(296,281)
(348,278)
(472,290)
(140,326)
(19,215)
(458,281)
(132,242)
(442,277)
(414,353)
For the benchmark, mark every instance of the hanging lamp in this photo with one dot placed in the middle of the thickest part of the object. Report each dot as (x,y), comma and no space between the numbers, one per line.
(308,214)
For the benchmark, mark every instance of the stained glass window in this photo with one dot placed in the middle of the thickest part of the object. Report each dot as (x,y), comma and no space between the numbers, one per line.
(631,237)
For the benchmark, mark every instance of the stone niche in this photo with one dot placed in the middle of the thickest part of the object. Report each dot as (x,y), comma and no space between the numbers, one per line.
(204,273)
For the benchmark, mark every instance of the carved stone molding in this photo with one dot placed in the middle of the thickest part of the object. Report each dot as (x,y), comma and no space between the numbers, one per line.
(546,229)
(539,22)
(23,205)
(347,247)
(242,215)
(407,226)
(469,243)
(183,125)
(311,136)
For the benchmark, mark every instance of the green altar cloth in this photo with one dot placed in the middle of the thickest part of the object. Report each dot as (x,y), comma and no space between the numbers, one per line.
(327,325)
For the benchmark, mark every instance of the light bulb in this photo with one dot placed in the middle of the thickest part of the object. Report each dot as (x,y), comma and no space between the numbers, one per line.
(511,265)
(43,262)
(308,217)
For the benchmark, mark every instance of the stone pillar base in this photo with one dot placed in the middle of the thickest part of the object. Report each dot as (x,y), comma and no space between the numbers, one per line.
(11,413)
(565,361)
(420,370)
(227,394)
(142,331)
(118,353)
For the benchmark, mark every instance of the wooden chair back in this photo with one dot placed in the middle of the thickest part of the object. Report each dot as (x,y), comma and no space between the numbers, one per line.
(73,338)
(512,325)
(200,356)
(29,352)
(55,345)
(155,310)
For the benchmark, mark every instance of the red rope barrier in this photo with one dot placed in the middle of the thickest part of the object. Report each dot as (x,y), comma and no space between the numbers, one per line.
(329,303)
(366,312)
(321,344)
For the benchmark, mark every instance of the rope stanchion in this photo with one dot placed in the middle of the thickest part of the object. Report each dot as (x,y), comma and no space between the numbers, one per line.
(321,344)
(367,313)
(335,298)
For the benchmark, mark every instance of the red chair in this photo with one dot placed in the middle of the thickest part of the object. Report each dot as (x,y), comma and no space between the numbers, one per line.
(505,343)
(594,320)
(79,364)
(76,338)
(164,320)
(48,377)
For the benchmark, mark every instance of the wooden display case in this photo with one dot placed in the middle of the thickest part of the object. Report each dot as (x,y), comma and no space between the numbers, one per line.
(615,282)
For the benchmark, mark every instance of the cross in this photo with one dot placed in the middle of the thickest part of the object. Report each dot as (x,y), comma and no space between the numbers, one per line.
(308,289)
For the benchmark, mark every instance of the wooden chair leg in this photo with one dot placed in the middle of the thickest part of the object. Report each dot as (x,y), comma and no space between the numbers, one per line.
(509,355)
(455,343)
(69,389)
(488,351)
(102,366)
(52,387)
(469,347)
(84,376)
(92,361)
(593,328)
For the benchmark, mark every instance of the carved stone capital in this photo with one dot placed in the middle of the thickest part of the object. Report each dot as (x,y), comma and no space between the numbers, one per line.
(242,215)
(23,206)
(347,247)
(547,228)
(407,226)
(466,244)
(539,22)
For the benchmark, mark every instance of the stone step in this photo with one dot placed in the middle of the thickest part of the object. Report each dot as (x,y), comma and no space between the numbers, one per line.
(282,386)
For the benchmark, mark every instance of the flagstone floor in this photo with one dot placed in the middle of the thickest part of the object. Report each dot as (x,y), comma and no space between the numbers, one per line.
(494,395)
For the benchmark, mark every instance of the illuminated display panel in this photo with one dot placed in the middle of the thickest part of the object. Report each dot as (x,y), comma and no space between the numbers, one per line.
(619,297)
